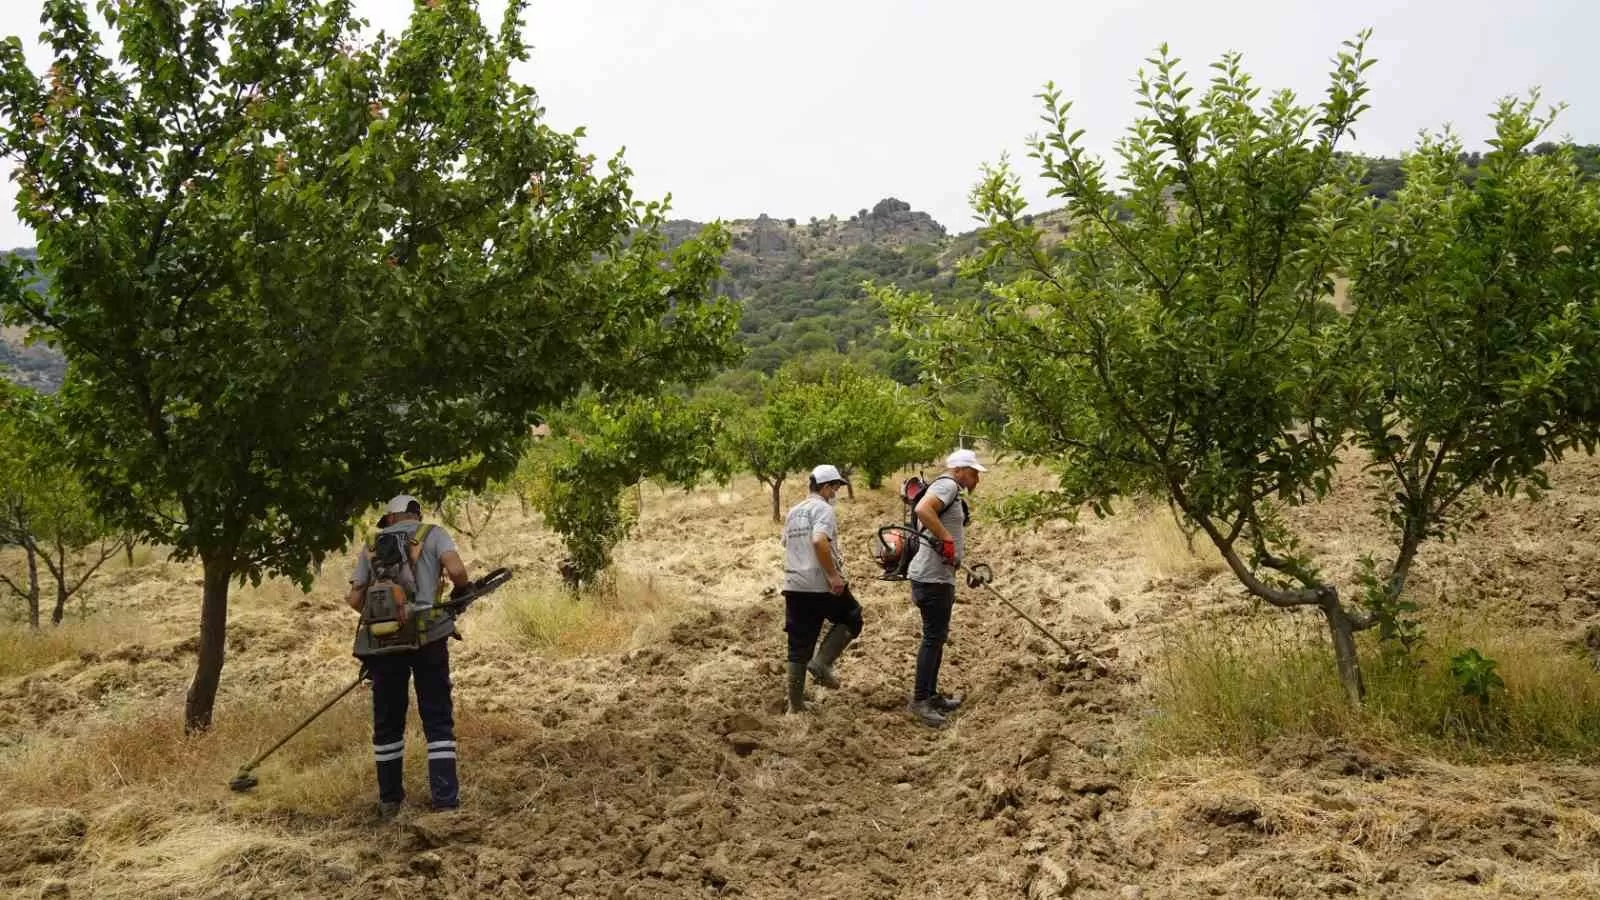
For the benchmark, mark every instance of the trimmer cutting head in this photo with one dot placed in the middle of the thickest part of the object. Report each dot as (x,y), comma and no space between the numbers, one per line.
(243,781)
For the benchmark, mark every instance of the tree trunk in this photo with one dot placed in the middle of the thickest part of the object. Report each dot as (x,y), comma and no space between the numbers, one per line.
(777,502)
(1344,650)
(213,645)
(33,583)
(60,573)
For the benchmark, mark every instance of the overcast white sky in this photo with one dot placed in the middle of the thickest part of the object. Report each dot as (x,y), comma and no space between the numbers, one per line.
(801,109)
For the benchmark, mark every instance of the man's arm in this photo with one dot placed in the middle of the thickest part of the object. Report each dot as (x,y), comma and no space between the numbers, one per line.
(823,547)
(455,568)
(928,509)
(822,532)
(449,560)
(359,579)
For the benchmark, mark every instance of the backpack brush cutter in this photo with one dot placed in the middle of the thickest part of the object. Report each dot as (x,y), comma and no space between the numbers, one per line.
(458,602)
(893,544)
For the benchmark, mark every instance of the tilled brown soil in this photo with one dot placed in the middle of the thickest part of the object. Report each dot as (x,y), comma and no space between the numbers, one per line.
(667,769)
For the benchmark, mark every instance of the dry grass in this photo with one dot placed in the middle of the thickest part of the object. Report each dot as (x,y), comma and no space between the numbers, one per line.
(1171,553)
(147,753)
(162,822)
(324,772)
(143,555)
(165,824)
(551,620)
(1367,824)
(210,860)
(1550,706)
(23,650)
(1273,676)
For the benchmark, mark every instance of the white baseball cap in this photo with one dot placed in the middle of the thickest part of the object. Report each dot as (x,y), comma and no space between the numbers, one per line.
(825,474)
(402,503)
(964,459)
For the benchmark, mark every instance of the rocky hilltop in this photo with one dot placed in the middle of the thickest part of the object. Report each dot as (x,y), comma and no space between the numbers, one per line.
(766,253)
(766,249)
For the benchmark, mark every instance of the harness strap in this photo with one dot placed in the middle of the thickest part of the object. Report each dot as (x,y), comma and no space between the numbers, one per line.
(966,513)
(435,615)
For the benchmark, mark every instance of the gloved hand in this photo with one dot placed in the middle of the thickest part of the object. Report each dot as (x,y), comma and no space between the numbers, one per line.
(947,549)
(461,590)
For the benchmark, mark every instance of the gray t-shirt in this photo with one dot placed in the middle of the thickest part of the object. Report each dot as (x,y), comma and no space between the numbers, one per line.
(429,569)
(927,565)
(801,570)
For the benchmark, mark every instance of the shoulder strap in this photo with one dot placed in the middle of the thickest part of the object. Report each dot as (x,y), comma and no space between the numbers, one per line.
(966,512)
(935,481)
(417,538)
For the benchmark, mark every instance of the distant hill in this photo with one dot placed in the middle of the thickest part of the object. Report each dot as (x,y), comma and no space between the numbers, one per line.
(36,366)
(801,281)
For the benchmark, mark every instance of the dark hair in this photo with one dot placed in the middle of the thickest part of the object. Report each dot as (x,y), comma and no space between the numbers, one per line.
(813,483)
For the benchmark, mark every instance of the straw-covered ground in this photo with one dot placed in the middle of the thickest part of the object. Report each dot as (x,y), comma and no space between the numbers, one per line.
(634,745)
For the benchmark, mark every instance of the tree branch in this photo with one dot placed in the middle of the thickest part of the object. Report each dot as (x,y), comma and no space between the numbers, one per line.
(1279,598)
(21,594)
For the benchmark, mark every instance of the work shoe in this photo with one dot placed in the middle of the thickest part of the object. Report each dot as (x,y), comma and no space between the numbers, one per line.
(388,809)
(944,704)
(923,711)
(797,688)
(821,665)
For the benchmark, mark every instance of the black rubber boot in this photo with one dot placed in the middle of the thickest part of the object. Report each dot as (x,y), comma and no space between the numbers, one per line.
(923,711)
(797,688)
(821,665)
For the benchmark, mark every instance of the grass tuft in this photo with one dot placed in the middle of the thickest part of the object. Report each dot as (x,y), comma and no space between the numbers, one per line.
(23,650)
(1274,676)
(551,620)
(1173,554)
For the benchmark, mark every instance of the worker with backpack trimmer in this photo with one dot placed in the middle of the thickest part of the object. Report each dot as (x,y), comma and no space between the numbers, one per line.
(942,515)
(395,587)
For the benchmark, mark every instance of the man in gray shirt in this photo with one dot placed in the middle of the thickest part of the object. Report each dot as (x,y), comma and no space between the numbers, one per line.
(435,556)
(942,517)
(814,588)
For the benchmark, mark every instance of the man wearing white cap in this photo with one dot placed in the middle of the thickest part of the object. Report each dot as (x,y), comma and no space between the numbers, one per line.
(942,516)
(431,553)
(814,588)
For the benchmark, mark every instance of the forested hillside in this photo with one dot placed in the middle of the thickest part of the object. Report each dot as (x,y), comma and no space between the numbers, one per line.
(801,281)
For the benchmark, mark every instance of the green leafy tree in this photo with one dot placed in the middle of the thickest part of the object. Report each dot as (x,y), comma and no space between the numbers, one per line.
(875,425)
(1475,302)
(599,450)
(1180,341)
(293,272)
(831,408)
(795,427)
(44,509)
(878,438)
